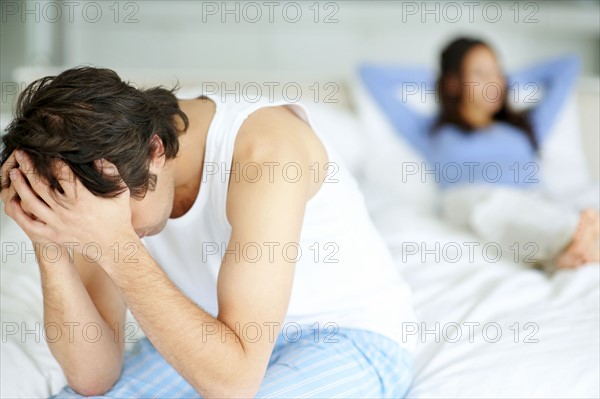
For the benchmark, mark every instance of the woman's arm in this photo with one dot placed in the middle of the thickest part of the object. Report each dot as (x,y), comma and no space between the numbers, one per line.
(392,88)
(556,78)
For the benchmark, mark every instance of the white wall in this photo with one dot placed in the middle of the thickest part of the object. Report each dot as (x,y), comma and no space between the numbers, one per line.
(188,33)
(185,36)
(151,33)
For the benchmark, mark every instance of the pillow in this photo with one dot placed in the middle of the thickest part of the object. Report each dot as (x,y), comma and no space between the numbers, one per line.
(391,163)
(562,162)
(341,129)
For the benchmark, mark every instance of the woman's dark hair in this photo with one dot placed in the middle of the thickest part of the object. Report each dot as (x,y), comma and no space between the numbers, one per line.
(86,114)
(451,67)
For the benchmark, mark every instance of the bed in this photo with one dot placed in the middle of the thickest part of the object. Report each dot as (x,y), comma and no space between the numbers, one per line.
(487,328)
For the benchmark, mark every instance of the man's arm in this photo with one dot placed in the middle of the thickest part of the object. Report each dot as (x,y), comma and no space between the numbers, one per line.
(81,299)
(76,294)
(212,353)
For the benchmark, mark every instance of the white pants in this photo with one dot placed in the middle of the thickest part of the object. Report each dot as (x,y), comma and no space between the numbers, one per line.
(526,223)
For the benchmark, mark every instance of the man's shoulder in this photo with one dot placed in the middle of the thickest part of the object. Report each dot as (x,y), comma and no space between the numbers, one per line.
(275,133)
(281,147)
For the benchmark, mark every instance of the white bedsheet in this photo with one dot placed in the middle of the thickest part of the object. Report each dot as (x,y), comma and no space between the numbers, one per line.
(564,312)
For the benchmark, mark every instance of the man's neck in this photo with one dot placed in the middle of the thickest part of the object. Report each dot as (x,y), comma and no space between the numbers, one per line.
(190,158)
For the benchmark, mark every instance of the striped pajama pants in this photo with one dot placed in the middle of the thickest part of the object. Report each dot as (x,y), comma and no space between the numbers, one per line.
(361,364)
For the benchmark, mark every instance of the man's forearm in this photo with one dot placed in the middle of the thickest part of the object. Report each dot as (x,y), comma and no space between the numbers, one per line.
(205,351)
(84,334)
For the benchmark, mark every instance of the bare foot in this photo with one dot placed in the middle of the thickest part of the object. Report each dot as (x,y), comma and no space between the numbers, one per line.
(584,248)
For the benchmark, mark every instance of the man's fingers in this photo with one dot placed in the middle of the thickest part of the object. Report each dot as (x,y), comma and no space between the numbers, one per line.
(66,179)
(40,186)
(31,226)
(29,201)
(107,168)
(110,171)
(10,163)
(9,192)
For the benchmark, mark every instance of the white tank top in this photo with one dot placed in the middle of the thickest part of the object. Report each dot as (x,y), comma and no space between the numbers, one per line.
(344,277)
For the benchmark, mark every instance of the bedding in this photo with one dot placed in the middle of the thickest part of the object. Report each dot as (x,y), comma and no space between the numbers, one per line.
(556,353)
(396,165)
(491,328)
(562,164)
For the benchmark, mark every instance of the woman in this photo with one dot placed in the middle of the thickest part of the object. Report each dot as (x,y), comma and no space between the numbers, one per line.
(492,187)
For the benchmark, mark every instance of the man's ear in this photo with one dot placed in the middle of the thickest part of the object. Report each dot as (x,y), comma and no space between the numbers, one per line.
(157,153)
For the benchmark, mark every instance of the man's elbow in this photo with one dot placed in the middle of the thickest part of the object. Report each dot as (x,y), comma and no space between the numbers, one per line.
(90,389)
(92,386)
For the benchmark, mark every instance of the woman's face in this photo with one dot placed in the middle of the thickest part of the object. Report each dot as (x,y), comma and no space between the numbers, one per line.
(484,86)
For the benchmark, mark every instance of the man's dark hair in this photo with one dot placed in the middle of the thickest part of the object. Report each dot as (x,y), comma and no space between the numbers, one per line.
(86,114)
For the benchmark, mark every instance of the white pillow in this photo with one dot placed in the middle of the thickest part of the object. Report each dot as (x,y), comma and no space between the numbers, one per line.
(390,161)
(563,168)
(341,129)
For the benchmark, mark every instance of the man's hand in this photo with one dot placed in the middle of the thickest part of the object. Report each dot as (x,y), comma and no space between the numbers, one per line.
(75,217)
(7,190)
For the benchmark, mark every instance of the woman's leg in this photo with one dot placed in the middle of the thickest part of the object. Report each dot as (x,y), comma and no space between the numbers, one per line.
(359,364)
(526,225)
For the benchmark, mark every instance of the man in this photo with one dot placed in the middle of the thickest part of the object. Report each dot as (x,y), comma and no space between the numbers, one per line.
(267,277)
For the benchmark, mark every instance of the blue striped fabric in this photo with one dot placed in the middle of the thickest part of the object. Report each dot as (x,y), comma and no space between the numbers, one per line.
(361,364)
